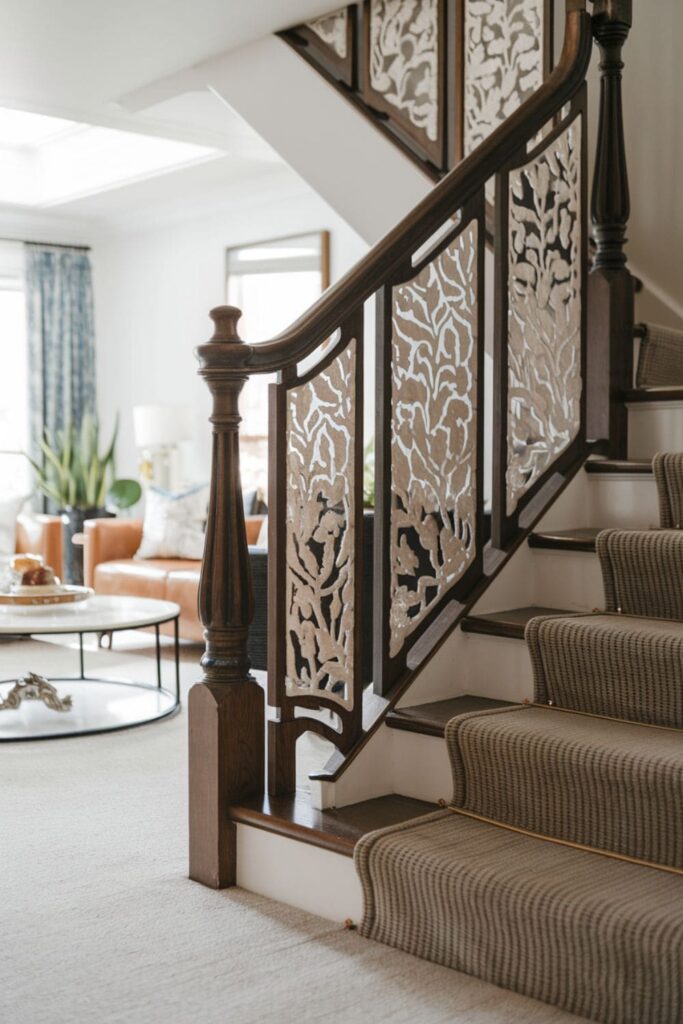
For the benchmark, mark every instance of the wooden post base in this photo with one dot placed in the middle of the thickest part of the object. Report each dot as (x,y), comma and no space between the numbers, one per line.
(226,764)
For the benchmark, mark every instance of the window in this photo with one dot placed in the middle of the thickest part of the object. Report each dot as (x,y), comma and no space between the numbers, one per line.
(273,283)
(15,473)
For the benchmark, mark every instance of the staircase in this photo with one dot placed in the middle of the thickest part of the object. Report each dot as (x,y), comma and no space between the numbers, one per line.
(514,477)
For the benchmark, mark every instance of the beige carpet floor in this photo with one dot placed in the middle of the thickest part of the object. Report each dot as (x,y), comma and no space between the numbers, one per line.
(100,925)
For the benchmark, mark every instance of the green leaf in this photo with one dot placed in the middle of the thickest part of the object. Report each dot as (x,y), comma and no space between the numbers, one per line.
(124,493)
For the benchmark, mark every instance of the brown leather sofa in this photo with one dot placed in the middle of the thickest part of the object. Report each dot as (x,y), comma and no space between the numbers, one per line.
(109,566)
(41,535)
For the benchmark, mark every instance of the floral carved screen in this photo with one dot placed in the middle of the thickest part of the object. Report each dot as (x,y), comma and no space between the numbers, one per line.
(320,533)
(332,30)
(403,60)
(503,47)
(544,310)
(434,468)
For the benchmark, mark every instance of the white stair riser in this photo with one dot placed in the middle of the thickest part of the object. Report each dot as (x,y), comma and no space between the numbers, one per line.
(654,427)
(624,501)
(421,767)
(299,874)
(497,667)
(567,579)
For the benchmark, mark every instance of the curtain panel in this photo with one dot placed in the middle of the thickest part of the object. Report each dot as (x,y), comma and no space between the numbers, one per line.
(61,337)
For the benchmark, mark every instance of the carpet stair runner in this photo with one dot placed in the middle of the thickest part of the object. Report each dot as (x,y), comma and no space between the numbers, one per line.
(557,869)
(660,359)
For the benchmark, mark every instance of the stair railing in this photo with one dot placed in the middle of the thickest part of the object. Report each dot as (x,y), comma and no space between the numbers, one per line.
(402,66)
(431,557)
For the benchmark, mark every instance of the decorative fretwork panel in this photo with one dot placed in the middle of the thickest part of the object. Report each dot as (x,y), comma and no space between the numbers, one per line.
(332,29)
(503,65)
(403,59)
(320,533)
(544,311)
(434,433)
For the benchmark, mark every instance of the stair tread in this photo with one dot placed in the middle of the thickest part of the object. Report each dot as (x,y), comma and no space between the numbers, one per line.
(578,538)
(431,719)
(335,829)
(486,894)
(600,466)
(662,394)
(509,623)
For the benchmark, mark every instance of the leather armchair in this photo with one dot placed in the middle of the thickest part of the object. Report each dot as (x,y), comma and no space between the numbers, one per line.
(41,535)
(110,567)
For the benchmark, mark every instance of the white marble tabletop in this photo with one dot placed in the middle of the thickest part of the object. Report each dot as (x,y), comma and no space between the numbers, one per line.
(98,614)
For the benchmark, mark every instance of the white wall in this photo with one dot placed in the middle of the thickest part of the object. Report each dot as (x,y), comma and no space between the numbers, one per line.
(154,288)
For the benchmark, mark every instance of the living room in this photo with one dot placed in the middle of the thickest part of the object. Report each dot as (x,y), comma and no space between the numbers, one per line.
(279,524)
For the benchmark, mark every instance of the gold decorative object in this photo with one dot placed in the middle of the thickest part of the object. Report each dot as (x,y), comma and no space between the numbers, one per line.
(35,687)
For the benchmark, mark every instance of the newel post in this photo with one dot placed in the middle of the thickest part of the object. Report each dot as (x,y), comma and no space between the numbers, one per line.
(226,709)
(610,285)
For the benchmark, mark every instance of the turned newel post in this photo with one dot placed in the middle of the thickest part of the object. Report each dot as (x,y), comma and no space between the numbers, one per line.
(226,710)
(610,295)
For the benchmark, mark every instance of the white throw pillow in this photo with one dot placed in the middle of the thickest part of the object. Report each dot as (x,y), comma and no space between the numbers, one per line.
(174,524)
(9,510)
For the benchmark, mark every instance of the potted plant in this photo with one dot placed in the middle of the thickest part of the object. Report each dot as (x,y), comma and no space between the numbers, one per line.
(81,482)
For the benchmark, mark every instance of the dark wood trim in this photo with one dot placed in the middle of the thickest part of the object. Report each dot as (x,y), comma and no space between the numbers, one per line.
(611,466)
(581,538)
(335,829)
(644,395)
(510,624)
(226,710)
(431,719)
(611,285)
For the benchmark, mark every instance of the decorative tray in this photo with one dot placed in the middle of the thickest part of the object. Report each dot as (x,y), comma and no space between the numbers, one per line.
(44,596)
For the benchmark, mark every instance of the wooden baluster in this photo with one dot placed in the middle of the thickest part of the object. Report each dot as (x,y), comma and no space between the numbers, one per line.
(226,710)
(610,286)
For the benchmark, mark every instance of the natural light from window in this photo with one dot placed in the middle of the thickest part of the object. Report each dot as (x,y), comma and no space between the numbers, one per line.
(45,161)
(273,283)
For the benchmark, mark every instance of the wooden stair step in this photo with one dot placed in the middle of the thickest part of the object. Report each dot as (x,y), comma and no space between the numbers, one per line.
(336,829)
(580,538)
(604,466)
(509,623)
(673,394)
(431,719)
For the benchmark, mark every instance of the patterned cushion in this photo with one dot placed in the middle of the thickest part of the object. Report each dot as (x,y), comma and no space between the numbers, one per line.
(174,523)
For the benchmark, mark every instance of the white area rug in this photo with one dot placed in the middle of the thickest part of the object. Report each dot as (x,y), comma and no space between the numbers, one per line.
(101,925)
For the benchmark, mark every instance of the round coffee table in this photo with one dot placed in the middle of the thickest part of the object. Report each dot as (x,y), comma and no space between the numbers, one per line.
(32,707)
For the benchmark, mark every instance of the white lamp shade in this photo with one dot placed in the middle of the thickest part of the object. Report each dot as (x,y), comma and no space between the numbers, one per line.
(157,426)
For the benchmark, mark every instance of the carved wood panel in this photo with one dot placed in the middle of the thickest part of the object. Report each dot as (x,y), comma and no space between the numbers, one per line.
(544,311)
(503,62)
(320,577)
(434,433)
(332,29)
(404,67)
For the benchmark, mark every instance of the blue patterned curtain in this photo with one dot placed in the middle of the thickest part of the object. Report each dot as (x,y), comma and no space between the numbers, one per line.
(61,336)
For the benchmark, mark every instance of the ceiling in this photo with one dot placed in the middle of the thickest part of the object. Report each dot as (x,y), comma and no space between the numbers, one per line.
(75,58)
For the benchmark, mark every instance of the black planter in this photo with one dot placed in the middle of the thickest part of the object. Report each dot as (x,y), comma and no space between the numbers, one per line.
(73,520)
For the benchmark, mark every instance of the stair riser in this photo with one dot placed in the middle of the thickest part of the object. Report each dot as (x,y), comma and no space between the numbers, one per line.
(567,579)
(599,784)
(654,427)
(299,874)
(622,501)
(496,667)
(421,767)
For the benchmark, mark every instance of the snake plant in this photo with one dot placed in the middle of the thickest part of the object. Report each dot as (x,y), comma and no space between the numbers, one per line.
(74,474)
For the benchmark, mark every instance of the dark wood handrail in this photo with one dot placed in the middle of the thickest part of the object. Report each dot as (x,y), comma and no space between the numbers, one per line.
(306,333)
